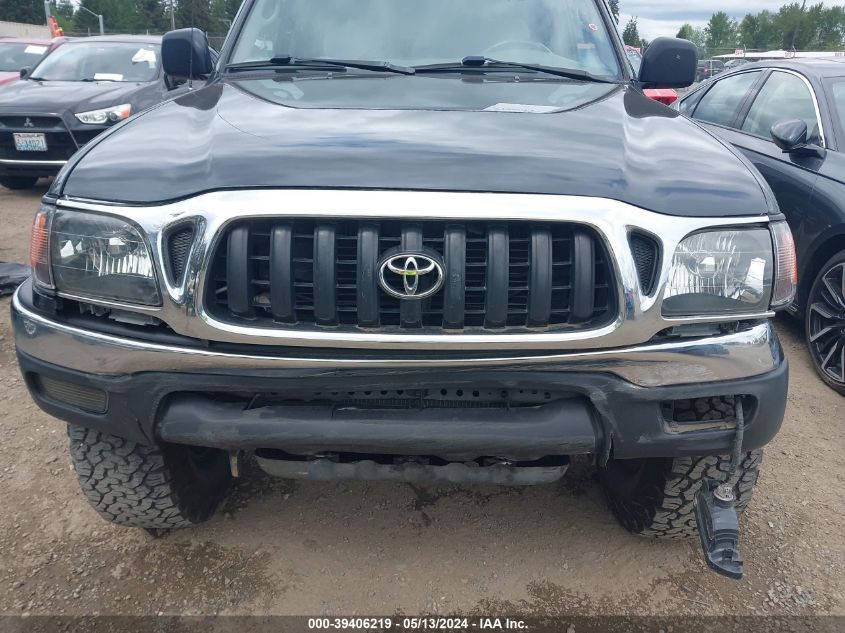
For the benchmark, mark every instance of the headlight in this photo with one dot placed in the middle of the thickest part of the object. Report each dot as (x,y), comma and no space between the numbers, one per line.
(101,257)
(721,273)
(106,115)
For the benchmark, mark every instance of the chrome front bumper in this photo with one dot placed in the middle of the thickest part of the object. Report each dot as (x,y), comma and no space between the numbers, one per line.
(752,352)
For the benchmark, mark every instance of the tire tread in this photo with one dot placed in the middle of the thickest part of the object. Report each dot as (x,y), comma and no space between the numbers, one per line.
(132,484)
(664,506)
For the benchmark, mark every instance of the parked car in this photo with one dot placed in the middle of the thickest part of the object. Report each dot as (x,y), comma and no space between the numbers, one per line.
(420,249)
(18,53)
(736,63)
(72,96)
(788,118)
(709,68)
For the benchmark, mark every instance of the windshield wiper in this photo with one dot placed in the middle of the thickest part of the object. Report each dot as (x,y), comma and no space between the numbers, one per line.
(474,61)
(316,62)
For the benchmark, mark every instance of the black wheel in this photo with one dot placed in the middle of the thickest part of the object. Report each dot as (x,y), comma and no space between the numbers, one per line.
(153,487)
(656,497)
(825,322)
(18,182)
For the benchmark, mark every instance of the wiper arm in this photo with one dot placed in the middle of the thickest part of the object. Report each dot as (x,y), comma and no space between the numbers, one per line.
(473,61)
(288,60)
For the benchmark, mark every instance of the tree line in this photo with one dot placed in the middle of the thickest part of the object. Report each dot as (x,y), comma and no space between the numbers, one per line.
(795,26)
(126,16)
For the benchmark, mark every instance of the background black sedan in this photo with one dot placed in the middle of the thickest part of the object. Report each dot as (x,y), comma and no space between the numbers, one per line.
(709,68)
(788,118)
(73,95)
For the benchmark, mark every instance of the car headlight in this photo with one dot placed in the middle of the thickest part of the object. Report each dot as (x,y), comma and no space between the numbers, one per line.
(93,256)
(106,115)
(721,273)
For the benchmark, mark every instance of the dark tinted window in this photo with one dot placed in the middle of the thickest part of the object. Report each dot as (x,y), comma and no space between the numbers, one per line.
(838,90)
(783,97)
(722,101)
(688,104)
(100,61)
(14,56)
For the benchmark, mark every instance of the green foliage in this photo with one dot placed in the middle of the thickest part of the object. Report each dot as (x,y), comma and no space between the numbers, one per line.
(631,34)
(27,11)
(694,35)
(687,32)
(796,26)
(126,16)
(721,32)
(804,24)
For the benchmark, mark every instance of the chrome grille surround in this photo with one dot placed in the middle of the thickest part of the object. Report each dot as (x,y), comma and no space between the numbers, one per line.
(639,317)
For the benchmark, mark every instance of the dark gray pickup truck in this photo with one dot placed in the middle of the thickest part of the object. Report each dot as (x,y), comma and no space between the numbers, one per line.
(417,241)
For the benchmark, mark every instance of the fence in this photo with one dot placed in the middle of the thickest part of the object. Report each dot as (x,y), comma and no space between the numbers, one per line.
(17,29)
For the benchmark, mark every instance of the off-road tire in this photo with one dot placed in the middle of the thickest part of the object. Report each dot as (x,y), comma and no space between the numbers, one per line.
(152,487)
(656,497)
(17,183)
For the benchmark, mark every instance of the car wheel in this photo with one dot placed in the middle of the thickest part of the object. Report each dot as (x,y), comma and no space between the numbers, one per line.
(18,182)
(152,487)
(825,322)
(656,497)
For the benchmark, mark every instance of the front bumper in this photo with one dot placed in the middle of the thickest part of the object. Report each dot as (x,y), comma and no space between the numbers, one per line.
(615,404)
(64,136)
(13,167)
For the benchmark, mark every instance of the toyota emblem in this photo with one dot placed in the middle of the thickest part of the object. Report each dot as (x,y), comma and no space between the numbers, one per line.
(410,276)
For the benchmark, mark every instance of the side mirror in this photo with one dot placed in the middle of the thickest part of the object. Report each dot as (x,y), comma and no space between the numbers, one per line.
(184,54)
(25,72)
(791,137)
(669,63)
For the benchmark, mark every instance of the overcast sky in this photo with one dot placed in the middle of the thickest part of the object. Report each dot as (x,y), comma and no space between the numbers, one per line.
(665,17)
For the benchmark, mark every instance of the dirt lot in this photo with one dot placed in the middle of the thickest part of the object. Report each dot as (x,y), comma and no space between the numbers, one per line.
(278,547)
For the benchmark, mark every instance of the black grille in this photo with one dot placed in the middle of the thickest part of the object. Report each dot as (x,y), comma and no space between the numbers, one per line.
(498,276)
(178,248)
(60,144)
(647,259)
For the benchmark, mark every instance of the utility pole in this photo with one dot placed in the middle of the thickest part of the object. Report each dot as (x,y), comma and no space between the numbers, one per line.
(47,11)
(172,15)
(96,15)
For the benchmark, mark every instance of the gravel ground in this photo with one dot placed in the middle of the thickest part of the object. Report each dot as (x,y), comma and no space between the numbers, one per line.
(279,547)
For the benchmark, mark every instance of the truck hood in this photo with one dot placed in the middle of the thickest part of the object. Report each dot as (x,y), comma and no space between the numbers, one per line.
(609,141)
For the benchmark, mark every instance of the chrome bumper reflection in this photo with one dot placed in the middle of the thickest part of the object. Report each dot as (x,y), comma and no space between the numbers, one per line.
(720,358)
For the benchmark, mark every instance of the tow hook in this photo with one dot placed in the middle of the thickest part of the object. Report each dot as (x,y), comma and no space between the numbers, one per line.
(716,515)
(718,527)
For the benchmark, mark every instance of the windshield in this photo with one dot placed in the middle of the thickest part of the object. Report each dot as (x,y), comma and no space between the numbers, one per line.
(15,56)
(101,61)
(561,33)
